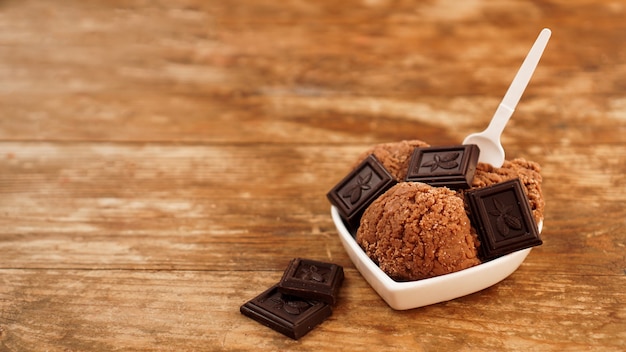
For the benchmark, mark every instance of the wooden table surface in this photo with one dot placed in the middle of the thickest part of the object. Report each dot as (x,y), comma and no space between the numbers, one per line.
(161,163)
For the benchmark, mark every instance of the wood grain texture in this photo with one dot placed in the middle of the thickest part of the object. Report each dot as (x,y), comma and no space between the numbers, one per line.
(161,163)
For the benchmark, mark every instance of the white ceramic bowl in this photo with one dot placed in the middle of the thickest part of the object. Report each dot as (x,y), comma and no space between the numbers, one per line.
(414,294)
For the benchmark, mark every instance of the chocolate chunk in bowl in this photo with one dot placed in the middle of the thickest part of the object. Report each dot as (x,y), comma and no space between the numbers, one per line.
(359,189)
(451,166)
(503,219)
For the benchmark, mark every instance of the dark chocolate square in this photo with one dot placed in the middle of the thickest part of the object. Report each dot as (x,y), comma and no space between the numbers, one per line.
(503,219)
(359,189)
(451,166)
(291,316)
(312,279)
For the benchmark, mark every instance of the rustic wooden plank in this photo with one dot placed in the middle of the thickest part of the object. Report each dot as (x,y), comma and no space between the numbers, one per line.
(129,310)
(87,91)
(287,119)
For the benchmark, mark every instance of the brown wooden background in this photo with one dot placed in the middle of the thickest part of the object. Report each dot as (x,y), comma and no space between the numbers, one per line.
(161,162)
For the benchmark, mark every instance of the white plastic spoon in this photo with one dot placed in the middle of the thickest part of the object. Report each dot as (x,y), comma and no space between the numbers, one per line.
(488,141)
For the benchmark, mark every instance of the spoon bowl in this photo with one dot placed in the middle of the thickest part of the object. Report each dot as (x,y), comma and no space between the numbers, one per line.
(491,150)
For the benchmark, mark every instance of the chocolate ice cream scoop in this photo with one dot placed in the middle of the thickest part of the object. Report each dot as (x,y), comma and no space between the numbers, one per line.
(528,172)
(395,156)
(415,231)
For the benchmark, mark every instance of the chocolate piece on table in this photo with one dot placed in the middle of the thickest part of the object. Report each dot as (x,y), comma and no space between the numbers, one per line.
(503,219)
(312,279)
(452,166)
(291,316)
(359,189)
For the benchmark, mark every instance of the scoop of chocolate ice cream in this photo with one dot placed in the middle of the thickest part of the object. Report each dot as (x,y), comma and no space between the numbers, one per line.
(416,231)
(527,171)
(395,156)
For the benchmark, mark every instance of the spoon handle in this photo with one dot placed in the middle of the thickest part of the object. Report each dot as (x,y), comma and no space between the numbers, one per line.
(517,87)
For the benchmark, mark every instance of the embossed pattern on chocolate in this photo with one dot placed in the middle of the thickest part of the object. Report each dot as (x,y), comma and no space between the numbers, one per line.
(503,219)
(312,279)
(289,315)
(451,166)
(359,189)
